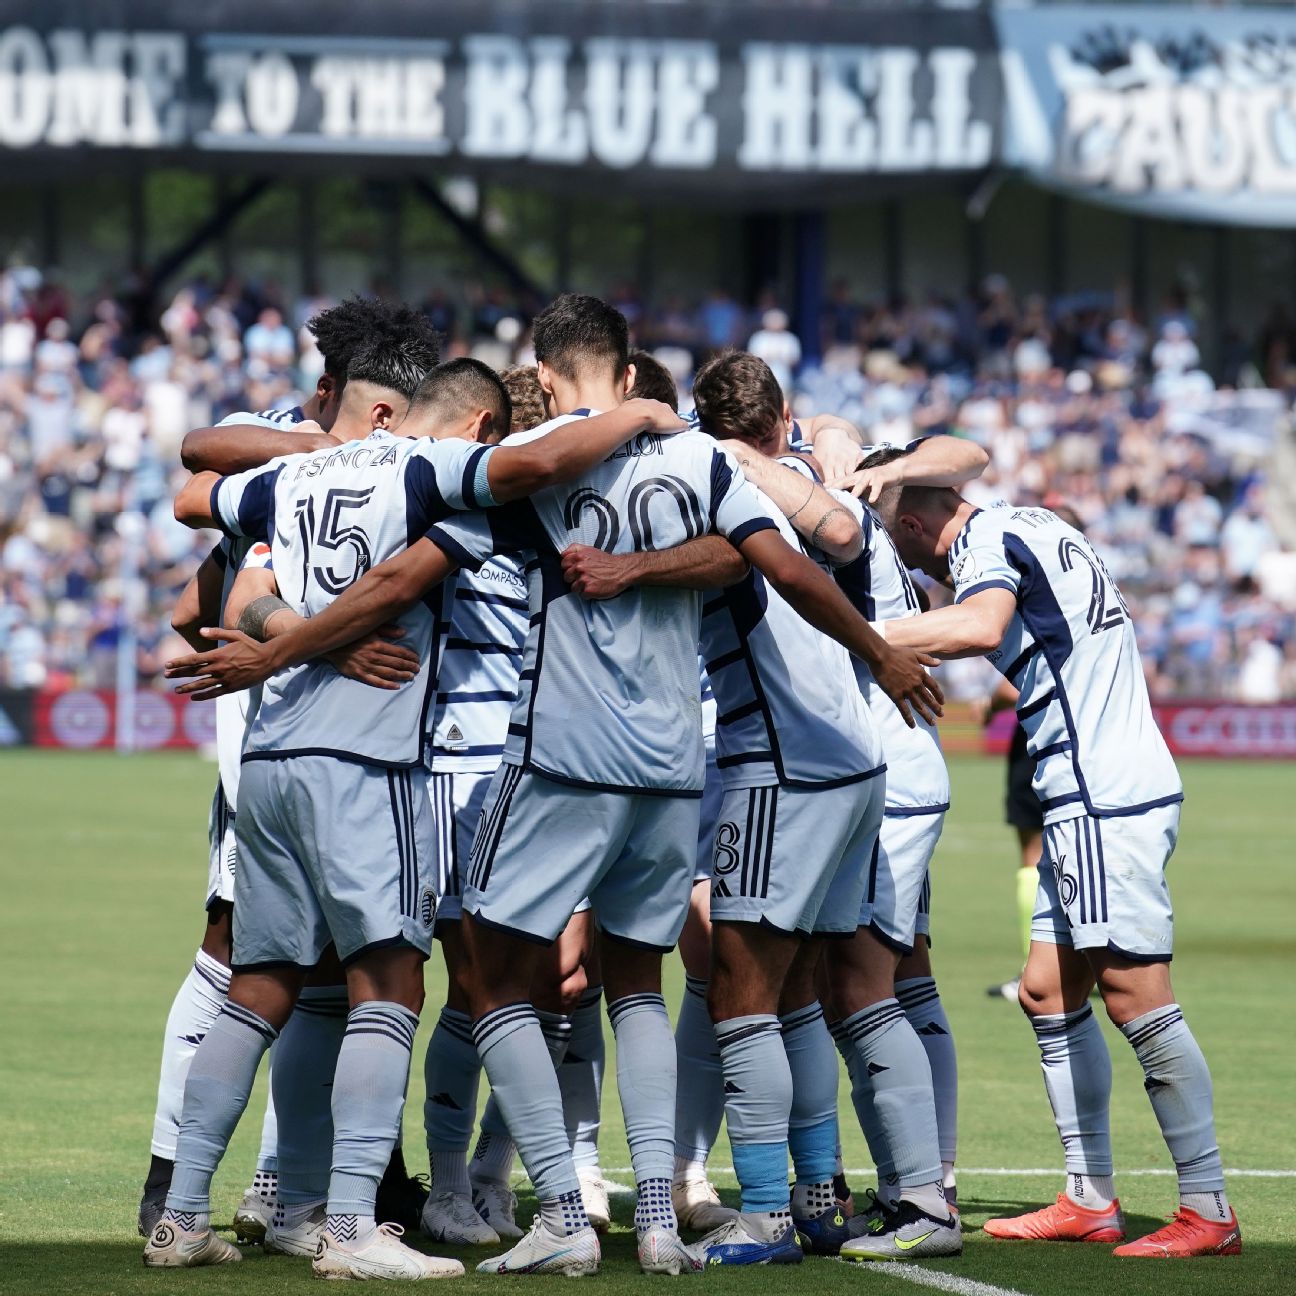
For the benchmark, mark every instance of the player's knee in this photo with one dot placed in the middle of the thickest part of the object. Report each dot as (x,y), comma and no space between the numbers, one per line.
(1037,997)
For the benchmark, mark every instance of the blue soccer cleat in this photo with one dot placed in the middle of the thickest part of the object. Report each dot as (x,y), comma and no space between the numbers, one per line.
(732,1244)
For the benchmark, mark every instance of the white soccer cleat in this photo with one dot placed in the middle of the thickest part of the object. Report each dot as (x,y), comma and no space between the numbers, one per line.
(570,1255)
(171,1247)
(253,1216)
(452,1217)
(697,1205)
(496,1203)
(594,1195)
(383,1255)
(663,1251)
(300,1240)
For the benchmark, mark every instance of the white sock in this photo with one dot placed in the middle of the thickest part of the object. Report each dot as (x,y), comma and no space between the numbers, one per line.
(929,1198)
(193,1010)
(767,1226)
(291,1215)
(1209,1205)
(1094,1192)
(688,1169)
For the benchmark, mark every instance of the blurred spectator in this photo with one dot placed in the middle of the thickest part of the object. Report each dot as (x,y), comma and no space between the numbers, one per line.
(1074,399)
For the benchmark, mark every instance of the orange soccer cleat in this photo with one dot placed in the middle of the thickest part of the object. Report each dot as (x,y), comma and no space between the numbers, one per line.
(1188,1234)
(1064,1221)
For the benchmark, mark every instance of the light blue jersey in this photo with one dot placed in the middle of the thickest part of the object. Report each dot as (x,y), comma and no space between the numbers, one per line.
(608,695)
(1071,653)
(329,517)
(789,711)
(236,711)
(484,617)
(878,585)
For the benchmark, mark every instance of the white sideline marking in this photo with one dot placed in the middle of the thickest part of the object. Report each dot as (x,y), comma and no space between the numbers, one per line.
(946,1282)
(1010,1172)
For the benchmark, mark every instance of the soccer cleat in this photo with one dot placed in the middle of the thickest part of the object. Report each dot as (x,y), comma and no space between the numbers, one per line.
(594,1195)
(822,1234)
(383,1255)
(451,1217)
(171,1247)
(731,1244)
(1004,990)
(908,1234)
(1188,1234)
(496,1203)
(697,1205)
(253,1215)
(300,1240)
(401,1198)
(1064,1221)
(570,1255)
(663,1251)
(873,1218)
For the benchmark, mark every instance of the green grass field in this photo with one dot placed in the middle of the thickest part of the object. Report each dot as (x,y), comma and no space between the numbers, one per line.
(102,869)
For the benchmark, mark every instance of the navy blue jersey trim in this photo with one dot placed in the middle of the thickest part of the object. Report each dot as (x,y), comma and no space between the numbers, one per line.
(1053,749)
(485,695)
(1124,812)
(588,785)
(469,479)
(745,758)
(1034,708)
(914,812)
(634,944)
(352,758)
(463,595)
(480,749)
(453,549)
(997,582)
(725,659)
(898,947)
(1052,803)
(220,554)
(388,942)
(745,530)
(213,506)
(1020,661)
(1138,958)
(739,713)
(502,650)
(805,785)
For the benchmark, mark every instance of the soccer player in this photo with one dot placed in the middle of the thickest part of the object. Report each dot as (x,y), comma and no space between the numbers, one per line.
(337,847)
(623,783)
(1031,594)
(738,396)
(339,332)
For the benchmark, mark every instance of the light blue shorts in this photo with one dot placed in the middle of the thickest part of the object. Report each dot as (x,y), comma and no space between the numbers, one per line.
(331,850)
(793,859)
(543,847)
(1103,884)
(457,799)
(893,907)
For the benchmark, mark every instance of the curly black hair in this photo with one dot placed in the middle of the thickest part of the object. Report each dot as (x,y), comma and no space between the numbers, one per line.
(359,322)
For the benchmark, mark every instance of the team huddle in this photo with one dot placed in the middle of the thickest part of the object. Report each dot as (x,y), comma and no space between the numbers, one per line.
(528,665)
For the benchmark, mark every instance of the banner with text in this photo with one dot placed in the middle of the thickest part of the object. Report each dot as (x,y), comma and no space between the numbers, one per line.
(701,99)
(1174,112)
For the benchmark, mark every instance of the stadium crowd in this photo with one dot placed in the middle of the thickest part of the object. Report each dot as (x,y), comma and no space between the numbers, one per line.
(1074,399)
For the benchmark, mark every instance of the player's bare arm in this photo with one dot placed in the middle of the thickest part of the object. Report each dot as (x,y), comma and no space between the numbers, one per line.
(568,452)
(935,461)
(816,596)
(239,447)
(255,608)
(836,443)
(379,596)
(707,563)
(968,629)
(199,602)
(814,514)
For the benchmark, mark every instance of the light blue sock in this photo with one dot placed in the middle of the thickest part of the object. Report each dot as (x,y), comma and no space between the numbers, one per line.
(1178,1083)
(512,1049)
(580,1077)
(758,1102)
(812,1122)
(215,1096)
(646,1081)
(893,1066)
(451,1076)
(921,1001)
(699,1090)
(301,1082)
(866,1114)
(368,1099)
(1077,1077)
